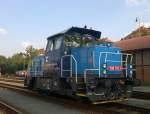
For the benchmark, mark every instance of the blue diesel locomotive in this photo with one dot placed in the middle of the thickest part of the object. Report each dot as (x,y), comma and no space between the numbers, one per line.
(76,64)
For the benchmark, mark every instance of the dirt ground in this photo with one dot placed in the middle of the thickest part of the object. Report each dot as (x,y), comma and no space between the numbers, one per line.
(3,111)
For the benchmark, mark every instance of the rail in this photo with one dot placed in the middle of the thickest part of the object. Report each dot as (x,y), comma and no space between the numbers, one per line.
(9,109)
(129,106)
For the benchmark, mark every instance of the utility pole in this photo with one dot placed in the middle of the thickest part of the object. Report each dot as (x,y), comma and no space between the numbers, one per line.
(0,72)
(24,59)
(139,25)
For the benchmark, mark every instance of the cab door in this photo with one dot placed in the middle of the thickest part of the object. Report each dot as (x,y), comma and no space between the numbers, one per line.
(54,53)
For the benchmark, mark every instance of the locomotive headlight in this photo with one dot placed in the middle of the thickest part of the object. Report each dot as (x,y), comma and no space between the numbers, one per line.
(65,53)
(131,71)
(46,59)
(131,66)
(104,65)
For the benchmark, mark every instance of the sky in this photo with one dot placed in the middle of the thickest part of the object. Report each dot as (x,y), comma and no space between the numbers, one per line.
(30,22)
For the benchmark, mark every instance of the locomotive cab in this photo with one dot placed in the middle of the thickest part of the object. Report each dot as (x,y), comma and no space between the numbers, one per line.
(77,65)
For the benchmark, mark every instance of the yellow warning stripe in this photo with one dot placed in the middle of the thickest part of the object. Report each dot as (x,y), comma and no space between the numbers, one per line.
(81,94)
(111,101)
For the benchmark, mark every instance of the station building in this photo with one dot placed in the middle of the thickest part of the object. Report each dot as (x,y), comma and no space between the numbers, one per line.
(140,48)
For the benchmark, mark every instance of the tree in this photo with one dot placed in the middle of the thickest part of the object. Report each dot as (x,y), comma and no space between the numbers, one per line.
(18,61)
(31,53)
(140,32)
(3,64)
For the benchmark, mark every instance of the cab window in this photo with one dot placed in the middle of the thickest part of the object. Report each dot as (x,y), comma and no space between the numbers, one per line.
(50,46)
(54,44)
(78,40)
(87,40)
(57,43)
(72,41)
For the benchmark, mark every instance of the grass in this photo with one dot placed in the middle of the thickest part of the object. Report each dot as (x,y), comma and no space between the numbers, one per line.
(145,84)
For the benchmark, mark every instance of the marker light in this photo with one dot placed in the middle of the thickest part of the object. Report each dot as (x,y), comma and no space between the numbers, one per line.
(131,71)
(104,65)
(104,71)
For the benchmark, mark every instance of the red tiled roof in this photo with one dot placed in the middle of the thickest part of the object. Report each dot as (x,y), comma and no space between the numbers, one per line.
(134,43)
(105,40)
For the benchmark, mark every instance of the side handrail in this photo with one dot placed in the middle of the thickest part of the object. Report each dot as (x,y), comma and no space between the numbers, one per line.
(106,56)
(71,64)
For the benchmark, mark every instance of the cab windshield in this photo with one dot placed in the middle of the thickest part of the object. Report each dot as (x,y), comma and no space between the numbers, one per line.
(87,40)
(79,41)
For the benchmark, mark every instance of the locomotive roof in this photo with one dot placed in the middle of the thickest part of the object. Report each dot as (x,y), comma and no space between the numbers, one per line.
(96,34)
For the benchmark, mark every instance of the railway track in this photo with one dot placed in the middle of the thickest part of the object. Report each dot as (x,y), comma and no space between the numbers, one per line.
(141,95)
(113,108)
(67,102)
(8,109)
(12,80)
(136,94)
